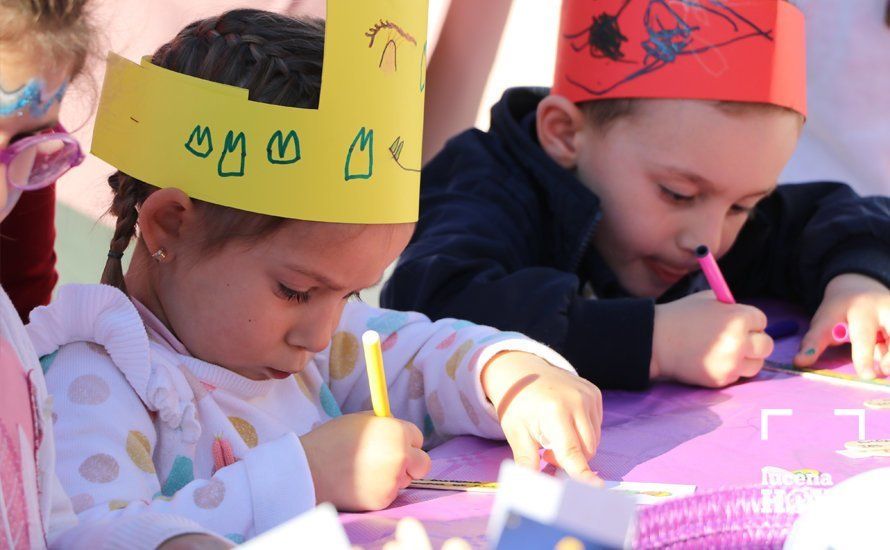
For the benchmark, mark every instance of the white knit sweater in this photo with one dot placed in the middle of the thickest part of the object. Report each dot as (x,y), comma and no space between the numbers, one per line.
(143,426)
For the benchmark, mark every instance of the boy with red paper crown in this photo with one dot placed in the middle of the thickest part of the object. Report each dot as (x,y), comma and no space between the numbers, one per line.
(575,218)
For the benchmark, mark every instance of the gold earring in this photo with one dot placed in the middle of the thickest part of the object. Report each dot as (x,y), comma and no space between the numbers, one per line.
(160,255)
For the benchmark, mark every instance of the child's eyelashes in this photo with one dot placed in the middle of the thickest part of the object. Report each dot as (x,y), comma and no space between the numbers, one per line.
(290,294)
(302,296)
(680,199)
(674,197)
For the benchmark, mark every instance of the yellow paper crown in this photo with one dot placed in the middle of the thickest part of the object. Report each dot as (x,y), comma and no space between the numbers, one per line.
(355,159)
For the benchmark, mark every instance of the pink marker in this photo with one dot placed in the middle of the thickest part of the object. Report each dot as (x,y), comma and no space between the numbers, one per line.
(841,334)
(713,275)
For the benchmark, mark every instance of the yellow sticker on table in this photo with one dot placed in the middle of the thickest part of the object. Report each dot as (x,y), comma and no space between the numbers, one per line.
(355,159)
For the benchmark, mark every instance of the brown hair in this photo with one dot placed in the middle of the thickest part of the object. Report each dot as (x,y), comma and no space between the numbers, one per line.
(277,58)
(604,112)
(59,29)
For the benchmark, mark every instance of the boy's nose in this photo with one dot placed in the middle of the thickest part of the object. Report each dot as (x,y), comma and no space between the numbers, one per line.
(705,230)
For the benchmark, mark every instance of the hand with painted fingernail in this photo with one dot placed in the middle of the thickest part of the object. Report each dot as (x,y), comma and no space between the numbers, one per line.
(544,407)
(864,304)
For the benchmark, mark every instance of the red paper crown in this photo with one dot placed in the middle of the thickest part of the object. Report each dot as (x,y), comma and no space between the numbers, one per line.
(730,50)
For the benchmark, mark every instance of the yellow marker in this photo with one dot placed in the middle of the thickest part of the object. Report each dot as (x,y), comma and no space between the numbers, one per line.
(376,374)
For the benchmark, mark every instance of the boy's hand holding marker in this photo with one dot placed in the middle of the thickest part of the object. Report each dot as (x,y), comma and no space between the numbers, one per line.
(861,301)
(701,341)
(864,304)
(855,309)
(707,342)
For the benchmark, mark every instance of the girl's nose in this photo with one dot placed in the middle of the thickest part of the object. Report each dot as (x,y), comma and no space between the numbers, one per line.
(315,327)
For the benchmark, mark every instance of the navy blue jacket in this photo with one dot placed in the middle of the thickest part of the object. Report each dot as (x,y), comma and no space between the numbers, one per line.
(504,240)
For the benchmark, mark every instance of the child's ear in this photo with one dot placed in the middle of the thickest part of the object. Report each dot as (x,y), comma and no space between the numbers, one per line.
(559,124)
(164,219)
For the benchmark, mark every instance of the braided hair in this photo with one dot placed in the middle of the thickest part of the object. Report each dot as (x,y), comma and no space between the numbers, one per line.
(277,58)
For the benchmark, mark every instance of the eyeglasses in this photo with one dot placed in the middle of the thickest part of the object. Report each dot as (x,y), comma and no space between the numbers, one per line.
(37,161)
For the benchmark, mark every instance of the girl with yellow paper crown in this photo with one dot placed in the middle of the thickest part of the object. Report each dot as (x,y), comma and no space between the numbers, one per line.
(221,378)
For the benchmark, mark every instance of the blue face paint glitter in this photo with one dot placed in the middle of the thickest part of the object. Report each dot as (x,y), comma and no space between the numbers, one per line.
(29,98)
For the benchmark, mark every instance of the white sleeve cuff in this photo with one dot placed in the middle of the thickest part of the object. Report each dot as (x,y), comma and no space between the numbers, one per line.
(285,491)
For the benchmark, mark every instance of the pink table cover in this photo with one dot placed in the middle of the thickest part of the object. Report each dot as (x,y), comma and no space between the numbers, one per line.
(668,434)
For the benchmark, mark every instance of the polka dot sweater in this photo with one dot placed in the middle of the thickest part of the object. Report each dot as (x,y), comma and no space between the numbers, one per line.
(143,427)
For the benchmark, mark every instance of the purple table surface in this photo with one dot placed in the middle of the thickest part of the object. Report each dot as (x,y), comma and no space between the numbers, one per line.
(668,434)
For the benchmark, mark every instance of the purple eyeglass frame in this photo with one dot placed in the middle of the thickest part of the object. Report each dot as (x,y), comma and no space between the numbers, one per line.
(8,154)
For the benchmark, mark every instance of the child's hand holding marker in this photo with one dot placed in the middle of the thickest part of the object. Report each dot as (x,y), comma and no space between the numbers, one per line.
(707,342)
(360,461)
(864,304)
(700,341)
